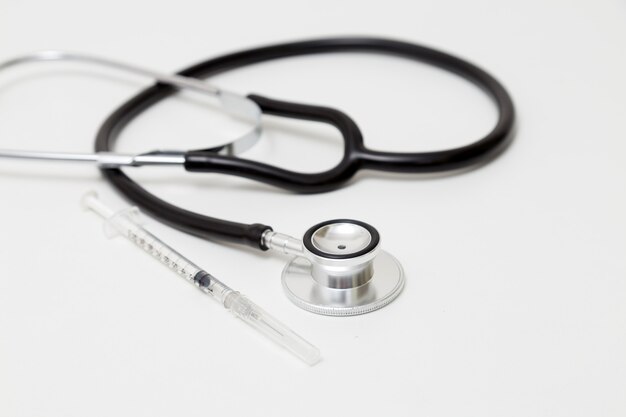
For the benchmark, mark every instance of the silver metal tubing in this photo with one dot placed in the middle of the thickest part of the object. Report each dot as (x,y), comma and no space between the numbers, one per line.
(102,159)
(282,243)
(57,156)
(53,55)
(231,103)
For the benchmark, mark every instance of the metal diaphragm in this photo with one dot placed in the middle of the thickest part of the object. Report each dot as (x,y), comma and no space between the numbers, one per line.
(342,271)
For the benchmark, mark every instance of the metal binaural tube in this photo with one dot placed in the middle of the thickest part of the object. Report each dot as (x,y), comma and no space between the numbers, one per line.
(54,55)
(231,103)
(102,159)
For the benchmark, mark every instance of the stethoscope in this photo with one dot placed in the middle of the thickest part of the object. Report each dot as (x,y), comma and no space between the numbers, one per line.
(337,268)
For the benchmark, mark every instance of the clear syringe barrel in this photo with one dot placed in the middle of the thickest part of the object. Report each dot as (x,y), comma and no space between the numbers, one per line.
(126,223)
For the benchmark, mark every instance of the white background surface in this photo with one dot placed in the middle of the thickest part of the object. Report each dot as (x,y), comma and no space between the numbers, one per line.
(515,302)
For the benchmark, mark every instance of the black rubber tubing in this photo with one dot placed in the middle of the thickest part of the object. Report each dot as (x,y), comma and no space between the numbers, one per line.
(356,156)
(206,161)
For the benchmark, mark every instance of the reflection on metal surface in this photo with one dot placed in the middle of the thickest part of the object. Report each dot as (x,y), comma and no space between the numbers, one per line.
(385,285)
(233,104)
(341,238)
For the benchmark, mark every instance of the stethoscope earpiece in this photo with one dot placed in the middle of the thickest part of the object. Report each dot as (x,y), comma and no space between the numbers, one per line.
(339,269)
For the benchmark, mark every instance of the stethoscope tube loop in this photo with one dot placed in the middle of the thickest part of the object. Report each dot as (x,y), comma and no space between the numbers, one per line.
(356,155)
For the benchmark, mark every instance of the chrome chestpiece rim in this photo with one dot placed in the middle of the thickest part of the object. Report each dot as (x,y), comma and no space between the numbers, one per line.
(341,238)
(342,271)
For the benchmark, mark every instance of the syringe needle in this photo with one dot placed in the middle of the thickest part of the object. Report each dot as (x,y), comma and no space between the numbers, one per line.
(126,223)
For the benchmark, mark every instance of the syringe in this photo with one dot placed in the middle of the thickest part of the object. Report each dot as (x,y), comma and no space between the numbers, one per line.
(126,223)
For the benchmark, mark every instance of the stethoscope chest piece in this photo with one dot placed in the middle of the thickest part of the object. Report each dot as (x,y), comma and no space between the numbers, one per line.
(342,271)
